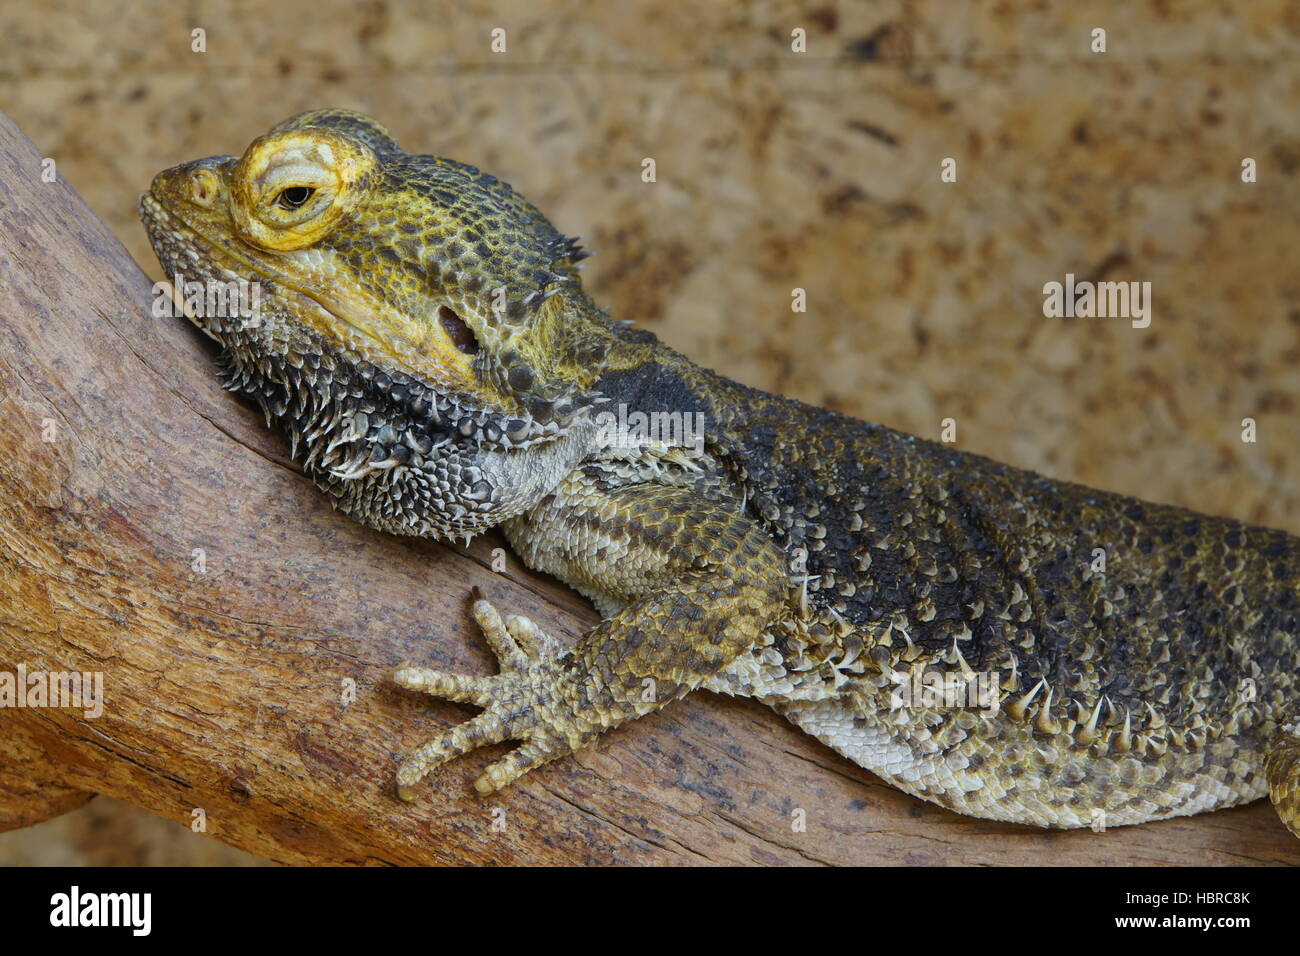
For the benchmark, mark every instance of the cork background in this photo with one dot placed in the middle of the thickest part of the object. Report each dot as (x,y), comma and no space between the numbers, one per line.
(777,170)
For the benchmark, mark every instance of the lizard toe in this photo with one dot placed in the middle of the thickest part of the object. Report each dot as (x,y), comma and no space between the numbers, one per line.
(532,753)
(487,728)
(530,638)
(462,688)
(510,653)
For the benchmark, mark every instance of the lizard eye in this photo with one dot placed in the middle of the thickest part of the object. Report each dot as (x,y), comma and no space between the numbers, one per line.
(289,189)
(294,196)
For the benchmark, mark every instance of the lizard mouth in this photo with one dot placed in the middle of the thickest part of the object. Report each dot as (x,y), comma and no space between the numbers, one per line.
(435,410)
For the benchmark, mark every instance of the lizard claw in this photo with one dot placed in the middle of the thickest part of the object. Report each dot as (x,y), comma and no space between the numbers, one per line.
(519,703)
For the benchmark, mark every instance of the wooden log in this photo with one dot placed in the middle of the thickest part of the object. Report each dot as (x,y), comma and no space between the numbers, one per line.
(152,530)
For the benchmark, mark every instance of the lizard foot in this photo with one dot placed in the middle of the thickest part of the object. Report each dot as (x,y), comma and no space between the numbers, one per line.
(525,701)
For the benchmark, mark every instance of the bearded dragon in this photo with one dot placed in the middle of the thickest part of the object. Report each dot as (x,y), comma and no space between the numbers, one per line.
(424,339)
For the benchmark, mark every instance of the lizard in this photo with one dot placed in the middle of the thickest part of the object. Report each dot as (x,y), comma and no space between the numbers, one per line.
(424,339)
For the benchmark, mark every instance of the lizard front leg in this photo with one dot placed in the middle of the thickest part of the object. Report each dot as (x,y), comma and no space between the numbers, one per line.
(689,580)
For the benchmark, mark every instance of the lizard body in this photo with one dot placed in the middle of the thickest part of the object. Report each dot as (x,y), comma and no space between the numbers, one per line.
(426,343)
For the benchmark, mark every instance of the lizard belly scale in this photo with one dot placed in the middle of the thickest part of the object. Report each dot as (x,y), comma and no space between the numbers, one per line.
(1002,771)
(993,765)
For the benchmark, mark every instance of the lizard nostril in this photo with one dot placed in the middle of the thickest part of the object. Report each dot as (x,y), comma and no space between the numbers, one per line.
(203,189)
(460,333)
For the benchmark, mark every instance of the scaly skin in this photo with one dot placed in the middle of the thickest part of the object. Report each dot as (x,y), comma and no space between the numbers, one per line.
(426,344)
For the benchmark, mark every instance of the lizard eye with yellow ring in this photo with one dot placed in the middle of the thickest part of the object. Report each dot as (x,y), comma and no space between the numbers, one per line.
(294,196)
(289,189)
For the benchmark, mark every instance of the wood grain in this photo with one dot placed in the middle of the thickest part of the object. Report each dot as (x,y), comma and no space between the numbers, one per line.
(225,688)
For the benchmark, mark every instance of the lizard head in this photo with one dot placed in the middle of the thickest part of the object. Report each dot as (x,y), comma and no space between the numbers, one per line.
(419,329)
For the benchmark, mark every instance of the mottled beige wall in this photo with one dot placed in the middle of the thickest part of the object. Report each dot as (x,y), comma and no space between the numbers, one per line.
(821,171)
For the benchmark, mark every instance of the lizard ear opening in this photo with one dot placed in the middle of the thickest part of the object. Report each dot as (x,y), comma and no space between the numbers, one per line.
(461,335)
